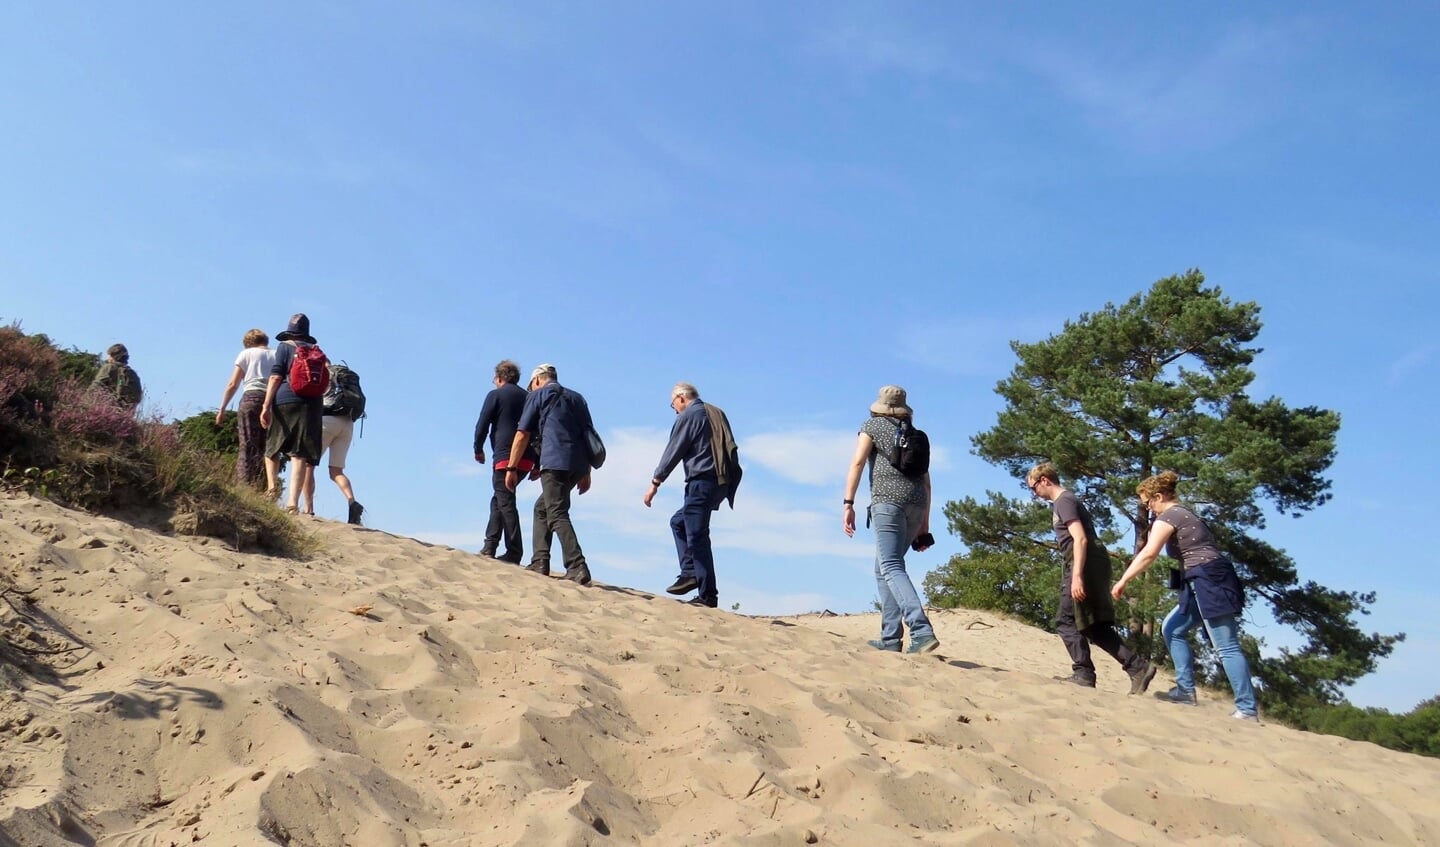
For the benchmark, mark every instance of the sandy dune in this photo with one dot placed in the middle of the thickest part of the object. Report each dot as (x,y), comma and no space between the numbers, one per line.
(230,699)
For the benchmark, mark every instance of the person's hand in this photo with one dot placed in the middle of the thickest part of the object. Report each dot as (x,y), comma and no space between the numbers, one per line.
(920,548)
(220,418)
(512,478)
(1077,588)
(1117,589)
(650,494)
(265,418)
(480,456)
(534,473)
(848,520)
(584,485)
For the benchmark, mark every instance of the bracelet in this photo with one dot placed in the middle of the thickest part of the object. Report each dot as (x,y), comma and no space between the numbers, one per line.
(655,482)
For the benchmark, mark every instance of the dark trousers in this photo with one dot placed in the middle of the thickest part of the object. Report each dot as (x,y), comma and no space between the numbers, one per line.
(552,518)
(504,517)
(1102,634)
(691,526)
(250,463)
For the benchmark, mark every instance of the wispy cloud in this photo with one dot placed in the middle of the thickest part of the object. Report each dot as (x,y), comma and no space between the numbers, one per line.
(807,456)
(1401,368)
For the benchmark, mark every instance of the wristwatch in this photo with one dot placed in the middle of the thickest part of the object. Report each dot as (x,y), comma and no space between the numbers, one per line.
(849,502)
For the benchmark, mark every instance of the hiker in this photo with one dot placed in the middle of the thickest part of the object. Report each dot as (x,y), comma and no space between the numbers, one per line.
(294,421)
(252,371)
(337,429)
(117,379)
(900,512)
(1086,615)
(498,416)
(702,439)
(560,419)
(1210,593)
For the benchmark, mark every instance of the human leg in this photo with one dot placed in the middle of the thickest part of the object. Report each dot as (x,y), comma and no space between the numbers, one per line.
(542,534)
(503,504)
(700,497)
(893,534)
(556,487)
(250,462)
(1082,667)
(1175,630)
(686,581)
(496,524)
(1104,636)
(1225,635)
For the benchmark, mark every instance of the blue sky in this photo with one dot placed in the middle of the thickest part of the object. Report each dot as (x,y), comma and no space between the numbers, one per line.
(787,204)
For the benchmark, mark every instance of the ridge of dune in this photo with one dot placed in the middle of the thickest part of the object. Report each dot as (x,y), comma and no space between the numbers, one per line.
(237,699)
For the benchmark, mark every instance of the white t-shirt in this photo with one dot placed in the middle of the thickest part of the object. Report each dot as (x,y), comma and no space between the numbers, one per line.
(255,363)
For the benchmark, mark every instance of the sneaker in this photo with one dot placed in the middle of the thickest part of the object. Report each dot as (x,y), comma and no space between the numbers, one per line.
(580,574)
(542,568)
(356,510)
(709,604)
(1241,716)
(889,646)
(683,585)
(1140,680)
(1077,679)
(1176,695)
(924,644)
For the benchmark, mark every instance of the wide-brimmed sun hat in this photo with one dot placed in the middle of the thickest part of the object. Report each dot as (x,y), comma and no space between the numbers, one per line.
(891,403)
(298,330)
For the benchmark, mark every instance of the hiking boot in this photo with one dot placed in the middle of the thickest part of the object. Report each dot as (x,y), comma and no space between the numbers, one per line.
(683,585)
(924,644)
(1077,679)
(579,574)
(1140,680)
(709,604)
(1241,716)
(1178,696)
(488,551)
(881,644)
(542,568)
(356,510)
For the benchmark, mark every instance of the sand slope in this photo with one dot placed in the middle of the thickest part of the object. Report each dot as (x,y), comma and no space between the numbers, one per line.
(229,699)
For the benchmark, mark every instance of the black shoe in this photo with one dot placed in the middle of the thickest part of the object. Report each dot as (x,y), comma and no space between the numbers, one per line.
(1140,680)
(488,551)
(698,601)
(580,574)
(1077,679)
(513,559)
(356,510)
(683,585)
(542,568)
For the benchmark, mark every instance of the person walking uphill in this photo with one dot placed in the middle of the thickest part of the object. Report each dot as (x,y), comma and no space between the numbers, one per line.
(702,439)
(498,417)
(560,419)
(117,379)
(250,375)
(1210,593)
(1086,615)
(294,419)
(900,512)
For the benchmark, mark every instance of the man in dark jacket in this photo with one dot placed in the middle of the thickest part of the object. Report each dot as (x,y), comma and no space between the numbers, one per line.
(498,418)
(701,438)
(117,379)
(559,418)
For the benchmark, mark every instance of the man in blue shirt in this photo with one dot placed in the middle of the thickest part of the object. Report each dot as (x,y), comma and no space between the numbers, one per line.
(498,418)
(559,418)
(697,438)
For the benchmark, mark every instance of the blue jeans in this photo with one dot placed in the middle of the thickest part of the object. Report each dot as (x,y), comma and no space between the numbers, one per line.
(895,527)
(691,526)
(1224,633)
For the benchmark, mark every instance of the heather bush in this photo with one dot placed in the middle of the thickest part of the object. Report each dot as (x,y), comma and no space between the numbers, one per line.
(61,440)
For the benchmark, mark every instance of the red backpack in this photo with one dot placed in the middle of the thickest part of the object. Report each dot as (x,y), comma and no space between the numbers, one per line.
(309,371)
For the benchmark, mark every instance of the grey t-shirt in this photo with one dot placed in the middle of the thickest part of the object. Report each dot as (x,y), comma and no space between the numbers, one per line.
(1067,507)
(1191,543)
(888,485)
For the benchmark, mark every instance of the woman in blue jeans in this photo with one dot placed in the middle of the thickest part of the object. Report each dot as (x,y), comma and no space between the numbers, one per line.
(899,513)
(1210,593)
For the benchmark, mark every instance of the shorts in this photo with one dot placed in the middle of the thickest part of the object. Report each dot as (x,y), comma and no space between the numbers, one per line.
(335,436)
(295,431)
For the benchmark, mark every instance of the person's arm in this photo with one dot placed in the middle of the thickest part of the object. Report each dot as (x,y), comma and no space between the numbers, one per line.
(265,409)
(517,448)
(235,379)
(1160,533)
(681,433)
(1080,546)
(863,447)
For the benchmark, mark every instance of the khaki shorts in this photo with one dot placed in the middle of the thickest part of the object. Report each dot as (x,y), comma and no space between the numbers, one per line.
(335,434)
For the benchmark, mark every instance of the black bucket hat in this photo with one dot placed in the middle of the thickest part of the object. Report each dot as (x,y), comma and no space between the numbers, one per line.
(298,330)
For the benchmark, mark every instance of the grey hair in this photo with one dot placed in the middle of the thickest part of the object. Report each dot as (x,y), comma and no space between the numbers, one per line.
(686,390)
